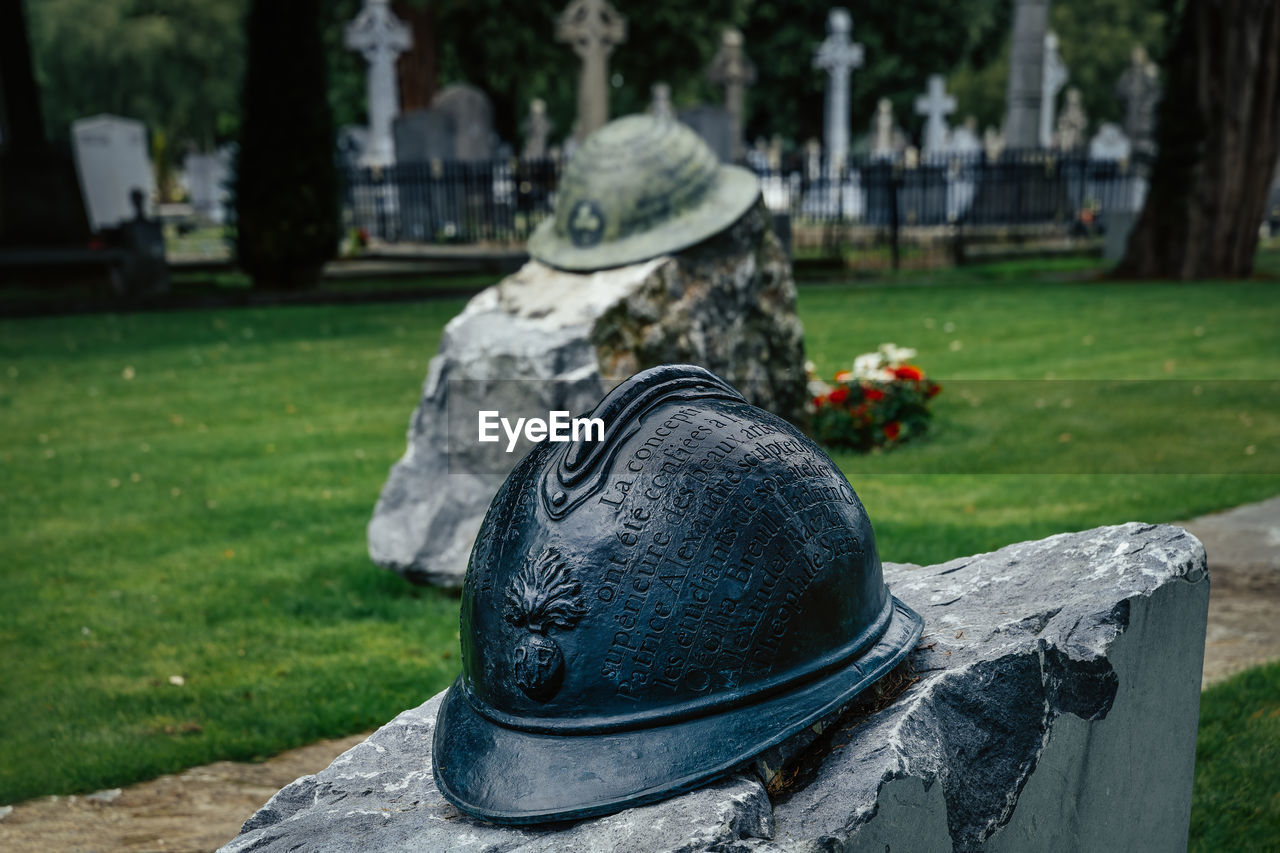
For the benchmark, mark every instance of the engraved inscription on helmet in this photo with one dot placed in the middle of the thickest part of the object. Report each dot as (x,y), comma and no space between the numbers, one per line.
(703,553)
(648,609)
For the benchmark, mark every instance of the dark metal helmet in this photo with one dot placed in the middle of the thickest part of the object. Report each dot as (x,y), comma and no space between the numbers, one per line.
(639,187)
(644,612)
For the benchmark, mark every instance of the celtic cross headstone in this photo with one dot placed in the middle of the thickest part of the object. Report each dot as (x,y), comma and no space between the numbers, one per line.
(380,37)
(838,55)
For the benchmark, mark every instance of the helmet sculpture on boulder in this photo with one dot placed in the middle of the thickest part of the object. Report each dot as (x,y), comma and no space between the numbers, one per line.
(640,187)
(644,612)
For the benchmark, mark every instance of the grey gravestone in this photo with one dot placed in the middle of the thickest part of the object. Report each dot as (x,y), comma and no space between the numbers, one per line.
(380,37)
(714,125)
(207,178)
(935,105)
(593,28)
(734,71)
(1051,705)
(1026,70)
(838,55)
(111,159)
(1053,78)
(422,136)
(472,115)
(1139,89)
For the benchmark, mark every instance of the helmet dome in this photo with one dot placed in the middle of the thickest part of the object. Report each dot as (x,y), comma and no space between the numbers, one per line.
(644,612)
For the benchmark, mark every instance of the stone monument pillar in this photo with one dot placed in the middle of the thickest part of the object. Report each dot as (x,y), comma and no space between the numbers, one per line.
(537,127)
(1073,122)
(734,71)
(1053,78)
(380,37)
(838,55)
(935,105)
(594,29)
(1026,70)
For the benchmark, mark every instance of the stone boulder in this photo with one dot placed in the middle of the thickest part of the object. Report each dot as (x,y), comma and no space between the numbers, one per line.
(1052,704)
(543,339)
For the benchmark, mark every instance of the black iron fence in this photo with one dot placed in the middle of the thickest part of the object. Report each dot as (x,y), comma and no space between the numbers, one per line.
(872,200)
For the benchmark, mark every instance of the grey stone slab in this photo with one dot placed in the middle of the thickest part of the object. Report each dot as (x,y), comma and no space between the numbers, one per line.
(1054,708)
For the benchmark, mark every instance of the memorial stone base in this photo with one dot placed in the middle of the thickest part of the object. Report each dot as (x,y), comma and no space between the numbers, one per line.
(1051,705)
(543,340)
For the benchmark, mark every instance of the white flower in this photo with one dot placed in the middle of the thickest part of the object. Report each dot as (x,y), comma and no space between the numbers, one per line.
(895,354)
(867,365)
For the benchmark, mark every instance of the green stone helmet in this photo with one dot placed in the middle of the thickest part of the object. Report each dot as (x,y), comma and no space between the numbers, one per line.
(640,187)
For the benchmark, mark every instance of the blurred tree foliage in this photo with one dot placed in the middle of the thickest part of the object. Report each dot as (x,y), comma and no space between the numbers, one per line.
(177,64)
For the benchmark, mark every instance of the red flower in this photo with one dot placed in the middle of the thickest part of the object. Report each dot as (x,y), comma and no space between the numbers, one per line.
(892,430)
(909,372)
(839,395)
(873,394)
(933,391)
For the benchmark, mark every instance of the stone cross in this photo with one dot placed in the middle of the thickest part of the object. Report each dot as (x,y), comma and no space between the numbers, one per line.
(734,71)
(838,55)
(380,37)
(594,29)
(1053,78)
(1073,122)
(935,106)
(660,101)
(537,127)
(1026,68)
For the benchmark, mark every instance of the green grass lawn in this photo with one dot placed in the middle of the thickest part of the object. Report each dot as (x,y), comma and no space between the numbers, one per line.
(183,496)
(1237,793)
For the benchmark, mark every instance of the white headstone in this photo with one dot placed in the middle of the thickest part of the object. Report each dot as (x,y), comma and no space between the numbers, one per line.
(1109,143)
(111,160)
(935,105)
(1054,77)
(838,55)
(380,37)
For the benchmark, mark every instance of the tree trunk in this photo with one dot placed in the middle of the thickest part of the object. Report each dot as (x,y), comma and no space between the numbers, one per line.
(416,68)
(1219,138)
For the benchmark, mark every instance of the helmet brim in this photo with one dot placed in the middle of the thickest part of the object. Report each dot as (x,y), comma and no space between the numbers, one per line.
(734,192)
(511,776)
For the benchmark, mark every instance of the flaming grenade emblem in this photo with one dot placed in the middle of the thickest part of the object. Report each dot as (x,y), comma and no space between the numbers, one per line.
(543,595)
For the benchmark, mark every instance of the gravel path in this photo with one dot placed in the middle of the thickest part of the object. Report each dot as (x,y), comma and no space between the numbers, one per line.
(203,807)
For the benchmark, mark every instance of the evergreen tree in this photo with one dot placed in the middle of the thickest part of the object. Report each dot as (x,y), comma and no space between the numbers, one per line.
(287,184)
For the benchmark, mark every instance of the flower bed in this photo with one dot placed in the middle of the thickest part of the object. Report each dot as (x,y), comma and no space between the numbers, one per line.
(882,402)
